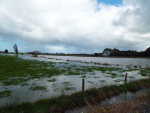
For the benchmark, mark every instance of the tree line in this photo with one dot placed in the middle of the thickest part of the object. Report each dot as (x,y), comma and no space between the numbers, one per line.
(130,53)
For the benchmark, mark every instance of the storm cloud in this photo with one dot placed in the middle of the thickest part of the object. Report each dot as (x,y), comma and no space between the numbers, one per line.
(75,26)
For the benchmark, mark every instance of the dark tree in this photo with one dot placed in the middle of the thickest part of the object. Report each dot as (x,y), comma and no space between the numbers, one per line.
(148,51)
(16,49)
(6,51)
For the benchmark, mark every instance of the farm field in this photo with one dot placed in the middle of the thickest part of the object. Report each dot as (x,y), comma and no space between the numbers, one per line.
(28,79)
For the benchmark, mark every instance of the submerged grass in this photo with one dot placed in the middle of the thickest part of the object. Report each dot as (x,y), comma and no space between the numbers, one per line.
(83,77)
(69,88)
(113,75)
(102,80)
(66,82)
(52,80)
(15,81)
(59,104)
(145,72)
(38,88)
(12,66)
(24,84)
(5,93)
(17,69)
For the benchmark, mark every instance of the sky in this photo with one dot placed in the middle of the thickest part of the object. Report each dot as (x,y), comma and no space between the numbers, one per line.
(74,26)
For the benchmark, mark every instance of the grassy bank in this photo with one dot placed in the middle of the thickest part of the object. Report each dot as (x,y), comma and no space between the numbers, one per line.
(59,104)
(140,105)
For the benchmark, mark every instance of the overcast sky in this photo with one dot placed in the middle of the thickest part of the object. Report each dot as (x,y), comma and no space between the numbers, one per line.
(74,26)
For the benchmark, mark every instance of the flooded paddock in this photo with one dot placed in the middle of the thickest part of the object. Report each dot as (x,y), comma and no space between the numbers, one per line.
(97,72)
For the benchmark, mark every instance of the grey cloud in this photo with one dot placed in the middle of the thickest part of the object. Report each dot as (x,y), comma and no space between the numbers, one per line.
(75,24)
(136,17)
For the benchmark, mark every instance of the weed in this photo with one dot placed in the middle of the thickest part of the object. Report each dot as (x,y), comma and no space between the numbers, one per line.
(52,80)
(96,77)
(5,93)
(102,80)
(106,76)
(83,77)
(69,88)
(113,75)
(38,88)
(66,82)
(24,84)
(130,77)
(118,80)
(90,82)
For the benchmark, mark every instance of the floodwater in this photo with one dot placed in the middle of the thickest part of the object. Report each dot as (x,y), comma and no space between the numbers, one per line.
(72,82)
(144,62)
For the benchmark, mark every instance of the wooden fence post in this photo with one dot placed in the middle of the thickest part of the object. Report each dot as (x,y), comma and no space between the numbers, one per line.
(82,84)
(125,79)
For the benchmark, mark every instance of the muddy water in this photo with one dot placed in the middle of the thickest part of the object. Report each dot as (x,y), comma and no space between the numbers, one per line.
(126,96)
(73,82)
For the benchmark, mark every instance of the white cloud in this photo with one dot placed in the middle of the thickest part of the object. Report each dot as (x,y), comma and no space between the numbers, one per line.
(81,25)
(56,49)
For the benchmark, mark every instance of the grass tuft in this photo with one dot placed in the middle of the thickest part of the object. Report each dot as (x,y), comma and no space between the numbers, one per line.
(5,93)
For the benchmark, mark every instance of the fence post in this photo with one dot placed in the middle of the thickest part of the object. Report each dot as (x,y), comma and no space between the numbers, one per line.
(125,79)
(82,84)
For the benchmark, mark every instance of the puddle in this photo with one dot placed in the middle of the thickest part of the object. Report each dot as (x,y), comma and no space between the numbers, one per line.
(126,96)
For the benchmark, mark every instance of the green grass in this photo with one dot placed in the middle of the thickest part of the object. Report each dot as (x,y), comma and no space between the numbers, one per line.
(69,88)
(52,80)
(24,84)
(63,63)
(66,83)
(122,75)
(145,72)
(118,80)
(15,81)
(106,76)
(38,88)
(102,80)
(83,77)
(113,75)
(96,77)
(12,67)
(15,67)
(90,82)
(130,77)
(5,93)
